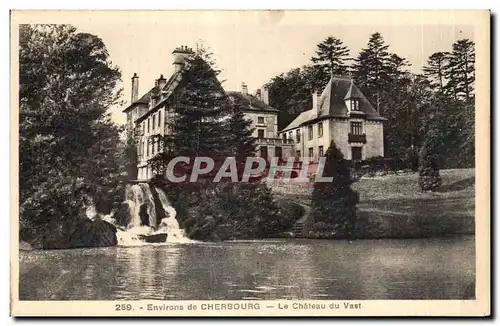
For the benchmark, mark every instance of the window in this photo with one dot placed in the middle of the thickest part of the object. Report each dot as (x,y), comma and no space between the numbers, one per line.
(153,145)
(354,105)
(147,149)
(356,128)
(320,129)
(290,135)
(310,132)
(297,135)
(284,136)
(356,153)
(148,124)
(279,152)
(297,154)
(311,152)
(260,133)
(320,151)
(260,120)
(263,152)
(159,118)
(154,120)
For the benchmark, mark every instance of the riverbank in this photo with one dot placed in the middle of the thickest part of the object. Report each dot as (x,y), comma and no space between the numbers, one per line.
(392,206)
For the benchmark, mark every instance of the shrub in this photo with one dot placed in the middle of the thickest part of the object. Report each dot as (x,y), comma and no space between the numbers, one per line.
(335,202)
(429,178)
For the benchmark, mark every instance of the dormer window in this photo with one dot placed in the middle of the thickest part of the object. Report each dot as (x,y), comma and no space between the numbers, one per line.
(354,105)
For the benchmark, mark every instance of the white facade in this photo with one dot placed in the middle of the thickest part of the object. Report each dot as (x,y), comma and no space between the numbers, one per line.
(341,114)
(337,130)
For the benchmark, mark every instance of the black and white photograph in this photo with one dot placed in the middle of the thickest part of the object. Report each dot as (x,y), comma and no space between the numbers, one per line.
(304,162)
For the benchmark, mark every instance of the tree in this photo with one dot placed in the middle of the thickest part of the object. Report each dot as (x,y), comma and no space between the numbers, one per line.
(384,79)
(371,69)
(435,70)
(429,178)
(241,142)
(335,202)
(201,105)
(291,92)
(331,57)
(461,69)
(67,141)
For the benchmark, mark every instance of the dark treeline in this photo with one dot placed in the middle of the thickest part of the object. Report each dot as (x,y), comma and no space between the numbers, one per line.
(441,98)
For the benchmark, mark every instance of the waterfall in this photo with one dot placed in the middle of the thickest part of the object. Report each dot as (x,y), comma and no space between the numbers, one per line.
(169,224)
(140,200)
(134,197)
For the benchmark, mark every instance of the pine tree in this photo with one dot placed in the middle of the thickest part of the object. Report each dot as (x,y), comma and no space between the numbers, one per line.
(331,57)
(384,79)
(241,142)
(435,70)
(335,203)
(201,105)
(429,178)
(461,69)
(371,69)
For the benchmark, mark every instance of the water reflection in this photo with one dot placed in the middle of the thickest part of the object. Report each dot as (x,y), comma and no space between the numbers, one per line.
(289,269)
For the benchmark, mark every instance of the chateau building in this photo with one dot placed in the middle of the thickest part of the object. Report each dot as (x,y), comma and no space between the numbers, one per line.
(148,116)
(340,113)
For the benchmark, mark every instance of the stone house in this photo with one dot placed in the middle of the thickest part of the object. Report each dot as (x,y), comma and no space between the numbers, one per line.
(340,113)
(148,116)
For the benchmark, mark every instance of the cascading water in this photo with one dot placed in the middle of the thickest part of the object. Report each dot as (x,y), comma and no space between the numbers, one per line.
(134,197)
(169,224)
(140,201)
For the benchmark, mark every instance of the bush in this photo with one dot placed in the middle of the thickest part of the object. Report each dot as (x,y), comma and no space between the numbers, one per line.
(429,178)
(335,202)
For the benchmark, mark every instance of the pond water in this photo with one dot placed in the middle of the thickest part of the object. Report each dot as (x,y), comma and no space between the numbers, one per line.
(261,269)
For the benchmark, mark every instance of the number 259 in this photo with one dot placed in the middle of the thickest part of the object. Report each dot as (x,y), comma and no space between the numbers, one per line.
(123,307)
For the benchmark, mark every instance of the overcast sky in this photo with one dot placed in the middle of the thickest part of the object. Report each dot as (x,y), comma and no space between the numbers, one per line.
(253,47)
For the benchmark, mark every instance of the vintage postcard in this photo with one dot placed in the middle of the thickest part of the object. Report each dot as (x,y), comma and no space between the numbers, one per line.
(250,163)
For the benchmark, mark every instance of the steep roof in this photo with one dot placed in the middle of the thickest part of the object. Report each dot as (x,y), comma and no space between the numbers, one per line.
(169,87)
(331,103)
(250,102)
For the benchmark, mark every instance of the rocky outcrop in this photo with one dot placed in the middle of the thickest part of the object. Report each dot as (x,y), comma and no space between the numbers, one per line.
(79,233)
(96,233)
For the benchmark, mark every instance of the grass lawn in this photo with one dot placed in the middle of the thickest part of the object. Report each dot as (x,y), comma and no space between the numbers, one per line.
(393,206)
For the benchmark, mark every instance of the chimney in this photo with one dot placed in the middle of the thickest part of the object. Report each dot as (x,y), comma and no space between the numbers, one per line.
(244,88)
(316,95)
(135,88)
(264,95)
(161,82)
(180,55)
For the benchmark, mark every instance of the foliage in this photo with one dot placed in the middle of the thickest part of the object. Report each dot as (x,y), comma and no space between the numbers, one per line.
(429,178)
(68,145)
(290,93)
(331,59)
(241,144)
(335,202)
(410,101)
(435,70)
